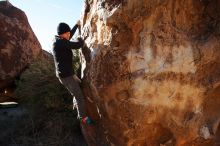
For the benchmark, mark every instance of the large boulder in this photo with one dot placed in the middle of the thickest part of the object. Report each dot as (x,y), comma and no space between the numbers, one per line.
(154,75)
(18,44)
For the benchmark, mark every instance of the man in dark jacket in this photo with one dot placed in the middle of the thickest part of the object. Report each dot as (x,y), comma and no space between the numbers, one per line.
(62,52)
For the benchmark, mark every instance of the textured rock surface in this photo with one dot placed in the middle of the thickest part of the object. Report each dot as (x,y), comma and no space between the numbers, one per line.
(155,72)
(18,43)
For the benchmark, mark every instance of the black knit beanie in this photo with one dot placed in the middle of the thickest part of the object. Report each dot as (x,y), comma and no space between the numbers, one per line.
(62,28)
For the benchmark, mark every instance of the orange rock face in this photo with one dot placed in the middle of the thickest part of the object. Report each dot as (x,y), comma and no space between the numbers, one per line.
(154,76)
(18,43)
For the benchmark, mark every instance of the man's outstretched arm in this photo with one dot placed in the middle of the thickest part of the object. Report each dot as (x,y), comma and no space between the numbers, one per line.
(73,30)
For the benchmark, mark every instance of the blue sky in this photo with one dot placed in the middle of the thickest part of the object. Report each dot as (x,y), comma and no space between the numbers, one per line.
(45,15)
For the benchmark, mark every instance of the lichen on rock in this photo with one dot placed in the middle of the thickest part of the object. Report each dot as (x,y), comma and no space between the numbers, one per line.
(154,75)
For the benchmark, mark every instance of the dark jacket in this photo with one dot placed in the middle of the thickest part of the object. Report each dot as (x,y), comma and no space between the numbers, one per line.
(62,53)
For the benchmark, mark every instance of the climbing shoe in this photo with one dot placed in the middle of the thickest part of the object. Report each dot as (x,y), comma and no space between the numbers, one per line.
(87,120)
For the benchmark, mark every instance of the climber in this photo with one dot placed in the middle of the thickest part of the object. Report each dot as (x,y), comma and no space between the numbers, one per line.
(62,53)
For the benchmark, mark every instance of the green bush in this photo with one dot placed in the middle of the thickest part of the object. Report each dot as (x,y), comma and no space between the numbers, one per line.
(39,85)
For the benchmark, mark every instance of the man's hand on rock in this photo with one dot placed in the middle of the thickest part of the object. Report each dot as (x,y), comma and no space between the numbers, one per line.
(78,22)
(79,26)
(81,41)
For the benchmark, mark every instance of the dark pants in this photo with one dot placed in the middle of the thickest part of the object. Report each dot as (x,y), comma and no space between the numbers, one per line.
(72,83)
